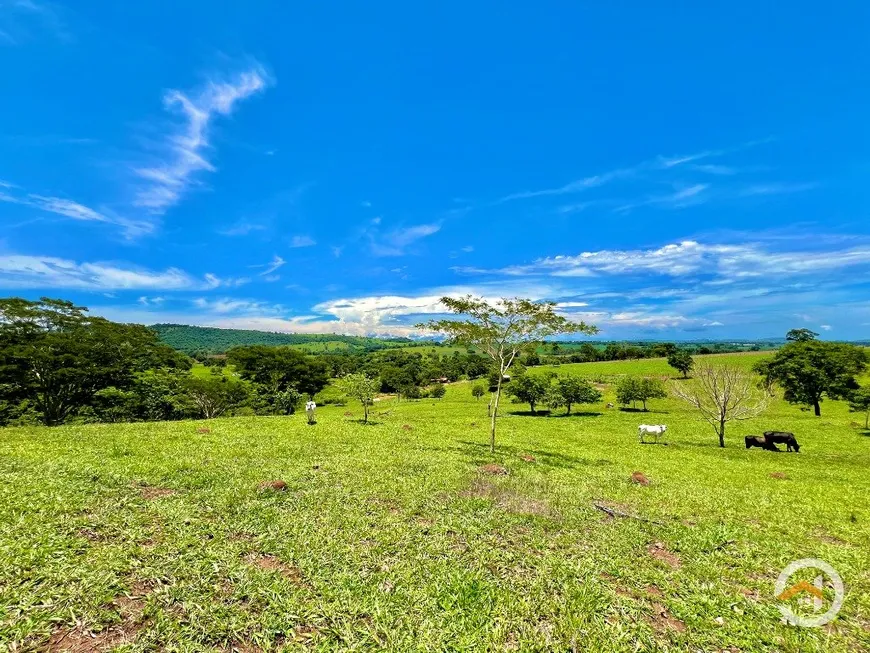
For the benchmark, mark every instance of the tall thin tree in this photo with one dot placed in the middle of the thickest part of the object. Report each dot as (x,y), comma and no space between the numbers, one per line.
(502,329)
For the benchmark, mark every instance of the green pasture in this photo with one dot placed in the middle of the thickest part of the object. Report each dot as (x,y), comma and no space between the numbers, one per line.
(396,536)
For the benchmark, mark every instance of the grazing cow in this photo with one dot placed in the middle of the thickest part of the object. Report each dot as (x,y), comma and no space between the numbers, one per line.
(610,405)
(309,411)
(783,437)
(758,441)
(655,430)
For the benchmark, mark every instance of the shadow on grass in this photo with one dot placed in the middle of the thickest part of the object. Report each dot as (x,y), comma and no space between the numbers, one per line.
(586,413)
(625,409)
(478,453)
(549,413)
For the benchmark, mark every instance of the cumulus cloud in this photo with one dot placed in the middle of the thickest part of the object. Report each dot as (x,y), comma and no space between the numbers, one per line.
(185,148)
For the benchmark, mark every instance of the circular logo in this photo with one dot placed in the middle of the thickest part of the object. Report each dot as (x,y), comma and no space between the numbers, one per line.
(811,593)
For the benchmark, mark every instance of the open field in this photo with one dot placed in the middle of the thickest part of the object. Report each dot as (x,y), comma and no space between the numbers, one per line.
(155,536)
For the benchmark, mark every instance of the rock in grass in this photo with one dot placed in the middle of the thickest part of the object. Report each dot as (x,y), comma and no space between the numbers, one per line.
(272,486)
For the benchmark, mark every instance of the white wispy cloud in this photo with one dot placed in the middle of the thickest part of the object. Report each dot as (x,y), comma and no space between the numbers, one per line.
(22,271)
(728,261)
(825,327)
(271,266)
(131,228)
(242,228)
(396,242)
(185,148)
(302,241)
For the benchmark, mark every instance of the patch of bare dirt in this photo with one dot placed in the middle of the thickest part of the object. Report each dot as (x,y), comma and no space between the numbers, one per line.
(662,621)
(654,591)
(91,535)
(507,499)
(272,563)
(529,458)
(76,640)
(494,469)
(830,539)
(203,430)
(407,427)
(639,478)
(272,486)
(347,413)
(779,475)
(150,492)
(660,552)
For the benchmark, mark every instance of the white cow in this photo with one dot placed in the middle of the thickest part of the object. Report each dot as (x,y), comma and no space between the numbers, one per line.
(309,410)
(655,430)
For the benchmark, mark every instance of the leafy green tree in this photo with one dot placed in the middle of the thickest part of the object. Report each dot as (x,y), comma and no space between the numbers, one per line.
(682,361)
(859,402)
(362,388)
(631,389)
(279,368)
(502,330)
(627,391)
(531,389)
(437,391)
(801,335)
(56,356)
(570,390)
(212,395)
(288,400)
(478,390)
(809,370)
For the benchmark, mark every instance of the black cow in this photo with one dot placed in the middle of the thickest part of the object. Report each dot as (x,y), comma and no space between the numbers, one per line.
(783,437)
(758,441)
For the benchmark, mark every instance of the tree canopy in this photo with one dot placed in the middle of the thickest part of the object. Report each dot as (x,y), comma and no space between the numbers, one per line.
(809,370)
(502,330)
(55,355)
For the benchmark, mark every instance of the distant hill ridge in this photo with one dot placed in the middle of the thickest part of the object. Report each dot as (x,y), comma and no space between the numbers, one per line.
(190,339)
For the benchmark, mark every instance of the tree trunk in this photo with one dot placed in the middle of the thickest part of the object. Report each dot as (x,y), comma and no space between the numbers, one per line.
(817,409)
(365,413)
(644,405)
(569,409)
(494,415)
(532,406)
(722,433)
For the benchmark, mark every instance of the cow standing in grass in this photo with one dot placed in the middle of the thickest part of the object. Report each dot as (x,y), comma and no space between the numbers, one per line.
(782,437)
(655,430)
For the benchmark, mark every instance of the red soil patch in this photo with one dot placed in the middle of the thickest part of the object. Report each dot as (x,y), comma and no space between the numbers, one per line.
(347,413)
(268,562)
(639,478)
(658,551)
(275,486)
(494,469)
(204,430)
(407,427)
(779,475)
(150,493)
(529,458)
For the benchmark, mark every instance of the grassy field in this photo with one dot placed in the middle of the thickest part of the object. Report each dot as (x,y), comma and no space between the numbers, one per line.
(396,536)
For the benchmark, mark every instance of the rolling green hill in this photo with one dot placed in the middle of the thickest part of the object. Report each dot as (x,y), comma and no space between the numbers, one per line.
(190,339)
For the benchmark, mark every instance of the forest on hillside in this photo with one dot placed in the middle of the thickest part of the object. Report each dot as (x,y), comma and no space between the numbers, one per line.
(212,340)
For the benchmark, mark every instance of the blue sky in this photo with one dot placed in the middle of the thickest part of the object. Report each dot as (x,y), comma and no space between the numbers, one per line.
(671,171)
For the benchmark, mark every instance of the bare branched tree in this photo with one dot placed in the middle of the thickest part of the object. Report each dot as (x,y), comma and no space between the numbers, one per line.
(502,330)
(722,393)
